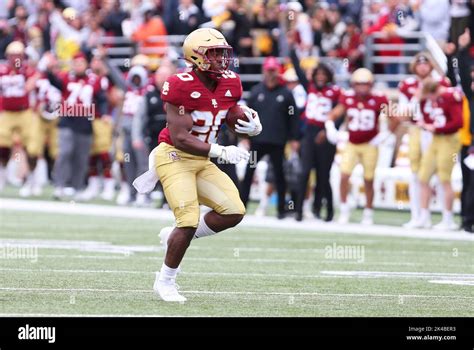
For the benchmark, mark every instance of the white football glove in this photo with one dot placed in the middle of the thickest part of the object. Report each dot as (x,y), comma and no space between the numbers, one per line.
(229,154)
(379,138)
(331,132)
(253,127)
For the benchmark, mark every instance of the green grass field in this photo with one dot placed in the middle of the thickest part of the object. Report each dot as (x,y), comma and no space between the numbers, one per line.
(90,265)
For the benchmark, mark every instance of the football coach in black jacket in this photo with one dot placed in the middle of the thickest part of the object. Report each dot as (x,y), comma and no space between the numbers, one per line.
(276,107)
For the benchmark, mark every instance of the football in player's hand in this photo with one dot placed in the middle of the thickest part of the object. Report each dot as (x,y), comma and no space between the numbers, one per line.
(233,114)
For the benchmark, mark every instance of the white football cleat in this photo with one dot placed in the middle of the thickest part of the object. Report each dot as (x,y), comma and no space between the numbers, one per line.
(410,224)
(367,217)
(108,193)
(423,223)
(37,190)
(446,226)
(168,291)
(92,190)
(26,190)
(343,217)
(123,197)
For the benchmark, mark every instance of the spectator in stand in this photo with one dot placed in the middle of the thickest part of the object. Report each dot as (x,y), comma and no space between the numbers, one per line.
(5,37)
(18,24)
(113,17)
(393,22)
(152,26)
(350,46)
(186,18)
(434,19)
(460,16)
(332,31)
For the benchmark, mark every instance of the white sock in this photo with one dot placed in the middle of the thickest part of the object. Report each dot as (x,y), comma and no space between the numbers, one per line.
(203,230)
(424,215)
(167,274)
(414,192)
(447,216)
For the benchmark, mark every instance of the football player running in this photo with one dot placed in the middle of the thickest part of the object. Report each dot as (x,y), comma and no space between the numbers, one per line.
(196,106)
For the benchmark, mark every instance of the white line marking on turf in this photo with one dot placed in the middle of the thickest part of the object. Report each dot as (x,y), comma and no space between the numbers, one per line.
(93,315)
(208,292)
(239,259)
(325,274)
(395,274)
(249,220)
(461,282)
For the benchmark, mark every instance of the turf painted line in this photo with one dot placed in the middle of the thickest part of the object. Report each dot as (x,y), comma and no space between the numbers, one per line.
(392,274)
(239,259)
(212,292)
(249,221)
(460,283)
(324,274)
(95,315)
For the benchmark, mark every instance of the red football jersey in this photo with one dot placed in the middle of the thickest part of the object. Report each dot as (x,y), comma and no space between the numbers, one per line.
(13,87)
(363,114)
(319,103)
(207,108)
(446,113)
(81,92)
(409,86)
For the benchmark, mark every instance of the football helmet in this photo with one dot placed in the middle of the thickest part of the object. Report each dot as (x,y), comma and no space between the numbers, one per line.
(15,48)
(207,49)
(362,76)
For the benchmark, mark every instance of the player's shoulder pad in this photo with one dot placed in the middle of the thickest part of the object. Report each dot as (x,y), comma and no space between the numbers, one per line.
(4,69)
(179,89)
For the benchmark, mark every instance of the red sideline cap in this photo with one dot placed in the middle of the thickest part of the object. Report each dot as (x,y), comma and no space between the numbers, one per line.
(80,54)
(271,63)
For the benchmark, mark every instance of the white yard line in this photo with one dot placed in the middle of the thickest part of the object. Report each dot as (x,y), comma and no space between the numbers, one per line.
(460,283)
(239,259)
(324,274)
(94,315)
(250,221)
(208,292)
(394,274)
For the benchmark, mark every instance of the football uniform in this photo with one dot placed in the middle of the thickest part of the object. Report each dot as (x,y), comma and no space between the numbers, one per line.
(102,130)
(319,103)
(16,114)
(80,101)
(363,126)
(445,114)
(44,124)
(190,180)
(408,88)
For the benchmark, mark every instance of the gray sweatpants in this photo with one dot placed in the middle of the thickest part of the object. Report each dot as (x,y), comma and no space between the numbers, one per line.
(72,163)
(135,161)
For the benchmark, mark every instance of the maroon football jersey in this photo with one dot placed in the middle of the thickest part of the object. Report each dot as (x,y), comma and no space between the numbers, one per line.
(82,91)
(13,87)
(363,115)
(207,108)
(445,113)
(319,103)
(409,86)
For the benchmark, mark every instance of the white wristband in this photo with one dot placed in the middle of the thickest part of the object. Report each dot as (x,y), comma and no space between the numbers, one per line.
(216,150)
